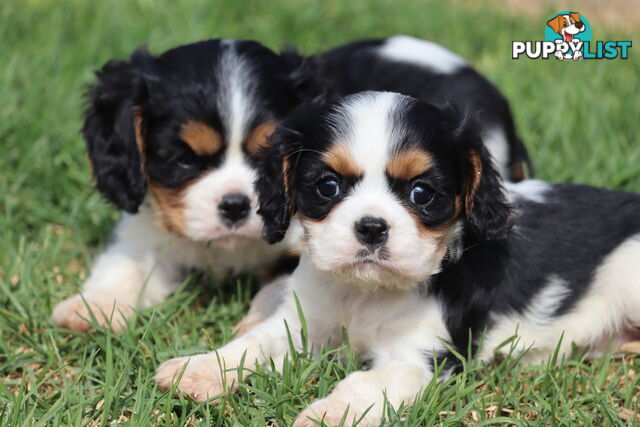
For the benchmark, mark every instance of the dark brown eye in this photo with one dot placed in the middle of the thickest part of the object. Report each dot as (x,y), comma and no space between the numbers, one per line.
(328,187)
(421,194)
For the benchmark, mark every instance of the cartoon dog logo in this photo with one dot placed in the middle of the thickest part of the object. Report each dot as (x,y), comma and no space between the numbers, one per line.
(568,25)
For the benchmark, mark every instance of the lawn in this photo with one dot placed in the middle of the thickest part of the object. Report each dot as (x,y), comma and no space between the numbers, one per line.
(579,120)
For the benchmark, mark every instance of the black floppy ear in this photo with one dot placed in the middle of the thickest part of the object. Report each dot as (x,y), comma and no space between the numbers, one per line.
(113,133)
(485,205)
(274,184)
(301,74)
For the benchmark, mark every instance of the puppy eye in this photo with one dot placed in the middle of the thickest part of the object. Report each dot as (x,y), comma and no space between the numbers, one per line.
(421,194)
(328,187)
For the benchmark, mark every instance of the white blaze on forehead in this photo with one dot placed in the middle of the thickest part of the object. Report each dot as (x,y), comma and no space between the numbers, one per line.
(423,53)
(235,102)
(369,132)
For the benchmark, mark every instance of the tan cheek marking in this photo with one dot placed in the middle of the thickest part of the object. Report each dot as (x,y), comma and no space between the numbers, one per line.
(168,204)
(259,137)
(436,234)
(474,181)
(339,158)
(202,139)
(439,233)
(288,185)
(139,132)
(409,163)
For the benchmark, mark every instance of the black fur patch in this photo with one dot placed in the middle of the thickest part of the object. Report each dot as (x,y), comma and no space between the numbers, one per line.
(359,66)
(566,237)
(445,360)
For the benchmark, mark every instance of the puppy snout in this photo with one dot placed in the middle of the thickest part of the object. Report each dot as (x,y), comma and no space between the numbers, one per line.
(372,231)
(234,207)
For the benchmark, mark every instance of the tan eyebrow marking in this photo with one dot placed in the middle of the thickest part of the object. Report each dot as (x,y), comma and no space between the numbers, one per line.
(258,137)
(339,158)
(202,139)
(409,163)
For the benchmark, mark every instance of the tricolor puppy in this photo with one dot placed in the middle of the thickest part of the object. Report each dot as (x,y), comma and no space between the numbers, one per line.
(411,242)
(172,141)
(567,25)
(429,72)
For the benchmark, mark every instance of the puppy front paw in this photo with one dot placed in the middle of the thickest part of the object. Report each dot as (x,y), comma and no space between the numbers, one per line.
(331,411)
(74,313)
(201,380)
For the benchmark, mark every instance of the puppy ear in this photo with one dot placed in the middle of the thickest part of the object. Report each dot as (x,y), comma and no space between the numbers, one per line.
(485,205)
(555,23)
(274,184)
(113,132)
(301,73)
(575,16)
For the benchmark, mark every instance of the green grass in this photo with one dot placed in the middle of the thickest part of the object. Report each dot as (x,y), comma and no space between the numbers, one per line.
(580,121)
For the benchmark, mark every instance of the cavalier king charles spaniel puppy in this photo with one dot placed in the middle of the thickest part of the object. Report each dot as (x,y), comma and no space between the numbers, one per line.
(412,244)
(173,142)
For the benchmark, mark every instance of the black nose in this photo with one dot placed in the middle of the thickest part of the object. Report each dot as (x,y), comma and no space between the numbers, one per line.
(579,25)
(372,231)
(234,207)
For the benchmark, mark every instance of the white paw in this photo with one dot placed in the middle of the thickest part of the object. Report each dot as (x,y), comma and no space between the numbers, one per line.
(331,411)
(202,378)
(577,55)
(559,55)
(73,313)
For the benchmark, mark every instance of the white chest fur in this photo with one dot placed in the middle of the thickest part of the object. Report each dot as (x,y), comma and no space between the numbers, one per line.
(379,322)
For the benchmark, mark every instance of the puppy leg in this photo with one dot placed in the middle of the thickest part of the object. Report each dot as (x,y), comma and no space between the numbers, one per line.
(263,305)
(130,274)
(401,368)
(361,394)
(209,375)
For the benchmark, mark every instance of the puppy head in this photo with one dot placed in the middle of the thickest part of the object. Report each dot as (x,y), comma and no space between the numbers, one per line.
(567,24)
(182,130)
(382,184)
